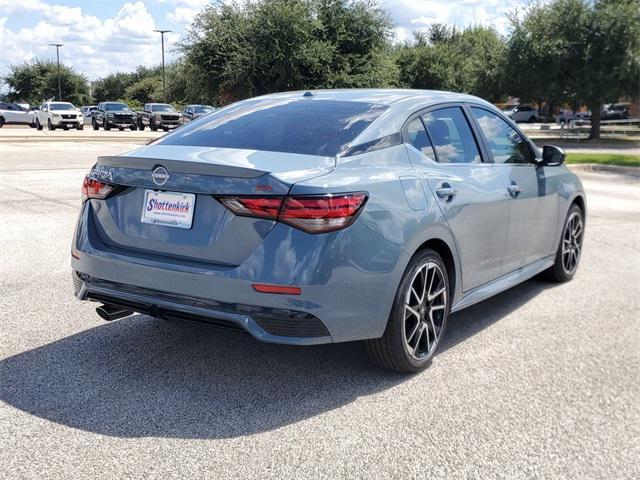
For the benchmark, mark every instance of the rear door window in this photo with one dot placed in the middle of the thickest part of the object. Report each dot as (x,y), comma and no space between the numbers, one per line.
(305,126)
(417,136)
(451,135)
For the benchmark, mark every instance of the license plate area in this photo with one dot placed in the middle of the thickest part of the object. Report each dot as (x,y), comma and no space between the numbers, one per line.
(169,209)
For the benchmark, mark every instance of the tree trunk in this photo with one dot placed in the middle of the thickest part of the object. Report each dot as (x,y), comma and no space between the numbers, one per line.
(595,120)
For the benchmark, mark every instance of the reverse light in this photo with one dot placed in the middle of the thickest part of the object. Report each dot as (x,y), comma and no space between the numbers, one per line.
(310,213)
(92,188)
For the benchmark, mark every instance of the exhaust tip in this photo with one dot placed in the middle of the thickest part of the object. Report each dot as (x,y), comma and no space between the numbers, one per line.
(111,312)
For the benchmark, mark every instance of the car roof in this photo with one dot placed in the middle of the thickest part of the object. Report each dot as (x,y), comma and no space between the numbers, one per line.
(401,104)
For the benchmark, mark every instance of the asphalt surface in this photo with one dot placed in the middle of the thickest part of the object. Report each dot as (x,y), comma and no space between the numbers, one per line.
(539,382)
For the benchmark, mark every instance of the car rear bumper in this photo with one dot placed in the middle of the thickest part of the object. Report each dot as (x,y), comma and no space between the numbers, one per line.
(348,281)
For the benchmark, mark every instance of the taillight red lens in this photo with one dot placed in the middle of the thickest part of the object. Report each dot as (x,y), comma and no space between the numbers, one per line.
(324,213)
(261,207)
(311,213)
(92,188)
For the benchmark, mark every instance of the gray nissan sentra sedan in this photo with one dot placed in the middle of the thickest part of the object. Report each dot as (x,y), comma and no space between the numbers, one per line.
(328,216)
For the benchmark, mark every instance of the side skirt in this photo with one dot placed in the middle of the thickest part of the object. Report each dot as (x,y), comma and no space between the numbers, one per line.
(502,283)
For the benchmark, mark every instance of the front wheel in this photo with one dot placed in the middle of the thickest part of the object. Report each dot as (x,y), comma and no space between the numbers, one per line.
(50,125)
(38,124)
(80,127)
(94,124)
(570,248)
(418,317)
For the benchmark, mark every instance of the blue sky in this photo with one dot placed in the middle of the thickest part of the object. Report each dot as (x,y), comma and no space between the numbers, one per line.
(103,36)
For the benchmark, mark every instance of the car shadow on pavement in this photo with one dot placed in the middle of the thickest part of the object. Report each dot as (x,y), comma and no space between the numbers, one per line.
(140,377)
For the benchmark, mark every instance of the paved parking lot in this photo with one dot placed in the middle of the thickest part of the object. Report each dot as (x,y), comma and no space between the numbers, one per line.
(540,382)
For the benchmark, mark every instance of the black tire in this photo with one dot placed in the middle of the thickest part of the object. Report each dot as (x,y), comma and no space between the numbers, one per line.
(106,125)
(140,125)
(94,124)
(152,125)
(391,351)
(166,129)
(532,119)
(1,122)
(38,124)
(121,128)
(560,271)
(50,125)
(80,127)
(133,128)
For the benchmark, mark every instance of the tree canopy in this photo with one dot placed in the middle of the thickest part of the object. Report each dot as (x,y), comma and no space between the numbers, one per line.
(560,52)
(38,81)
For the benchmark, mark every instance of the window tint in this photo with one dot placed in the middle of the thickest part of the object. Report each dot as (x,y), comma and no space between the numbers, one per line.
(451,136)
(419,139)
(312,127)
(506,145)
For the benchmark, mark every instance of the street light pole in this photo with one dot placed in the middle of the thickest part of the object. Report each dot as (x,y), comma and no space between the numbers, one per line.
(164,76)
(58,45)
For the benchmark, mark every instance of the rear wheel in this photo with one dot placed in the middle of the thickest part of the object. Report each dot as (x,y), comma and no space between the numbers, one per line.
(418,317)
(570,248)
(1,122)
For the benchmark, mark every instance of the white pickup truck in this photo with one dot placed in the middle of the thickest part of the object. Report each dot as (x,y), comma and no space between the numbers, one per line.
(14,114)
(59,115)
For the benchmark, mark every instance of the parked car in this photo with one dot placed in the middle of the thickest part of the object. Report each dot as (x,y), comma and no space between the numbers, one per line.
(114,114)
(522,113)
(191,112)
(15,114)
(158,115)
(58,115)
(615,112)
(87,113)
(329,216)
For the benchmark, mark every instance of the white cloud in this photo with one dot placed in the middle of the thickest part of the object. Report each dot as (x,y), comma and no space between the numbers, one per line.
(92,46)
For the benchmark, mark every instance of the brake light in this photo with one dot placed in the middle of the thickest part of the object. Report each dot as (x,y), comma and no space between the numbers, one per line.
(311,213)
(320,214)
(261,207)
(92,188)
(277,289)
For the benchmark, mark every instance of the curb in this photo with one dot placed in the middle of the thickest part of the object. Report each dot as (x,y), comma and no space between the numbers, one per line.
(76,138)
(594,167)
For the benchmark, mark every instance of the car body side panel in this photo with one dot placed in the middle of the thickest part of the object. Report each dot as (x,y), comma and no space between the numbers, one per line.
(533,214)
(389,213)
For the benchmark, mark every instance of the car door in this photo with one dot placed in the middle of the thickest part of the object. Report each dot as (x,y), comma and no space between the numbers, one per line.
(533,205)
(443,149)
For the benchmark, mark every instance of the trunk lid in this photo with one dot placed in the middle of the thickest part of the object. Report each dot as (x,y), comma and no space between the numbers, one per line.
(216,235)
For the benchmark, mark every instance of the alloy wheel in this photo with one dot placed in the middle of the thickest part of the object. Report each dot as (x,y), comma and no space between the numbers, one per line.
(425,310)
(572,243)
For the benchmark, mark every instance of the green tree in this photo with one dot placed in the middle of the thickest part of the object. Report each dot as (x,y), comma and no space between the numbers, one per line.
(112,86)
(146,90)
(239,51)
(576,51)
(38,81)
(470,60)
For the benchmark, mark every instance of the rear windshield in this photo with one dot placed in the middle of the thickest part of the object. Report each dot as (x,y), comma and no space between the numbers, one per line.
(306,126)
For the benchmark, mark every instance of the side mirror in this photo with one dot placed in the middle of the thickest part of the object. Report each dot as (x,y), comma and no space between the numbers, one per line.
(552,155)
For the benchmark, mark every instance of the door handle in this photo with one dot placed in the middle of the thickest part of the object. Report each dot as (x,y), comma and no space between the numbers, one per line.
(446,191)
(514,189)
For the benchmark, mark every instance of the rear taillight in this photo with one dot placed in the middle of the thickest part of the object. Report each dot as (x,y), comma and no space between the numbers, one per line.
(92,188)
(311,213)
